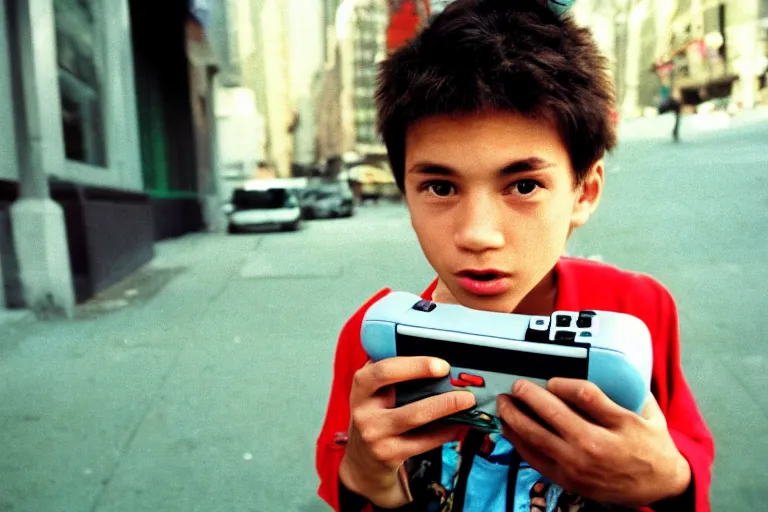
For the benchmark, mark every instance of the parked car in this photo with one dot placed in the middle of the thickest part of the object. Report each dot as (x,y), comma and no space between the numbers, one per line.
(374,183)
(328,199)
(307,202)
(270,207)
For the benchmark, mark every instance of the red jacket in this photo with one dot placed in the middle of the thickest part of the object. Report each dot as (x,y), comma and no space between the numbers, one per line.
(581,285)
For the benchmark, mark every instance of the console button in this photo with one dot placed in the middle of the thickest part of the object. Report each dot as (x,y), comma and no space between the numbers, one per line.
(466,380)
(425,305)
(538,329)
(563,321)
(585,334)
(567,336)
(474,380)
(459,383)
(585,319)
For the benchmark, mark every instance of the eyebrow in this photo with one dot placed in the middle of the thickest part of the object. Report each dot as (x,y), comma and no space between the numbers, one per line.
(518,166)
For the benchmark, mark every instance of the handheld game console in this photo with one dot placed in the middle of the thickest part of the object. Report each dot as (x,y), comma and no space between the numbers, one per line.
(489,351)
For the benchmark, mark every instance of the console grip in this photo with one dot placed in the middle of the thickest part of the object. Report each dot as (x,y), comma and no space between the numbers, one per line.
(415,390)
(378,339)
(618,379)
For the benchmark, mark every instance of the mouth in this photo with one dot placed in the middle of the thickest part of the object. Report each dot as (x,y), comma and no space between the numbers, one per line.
(484,282)
(483,274)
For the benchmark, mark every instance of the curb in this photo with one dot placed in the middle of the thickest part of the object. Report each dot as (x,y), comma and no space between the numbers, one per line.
(14,316)
(660,127)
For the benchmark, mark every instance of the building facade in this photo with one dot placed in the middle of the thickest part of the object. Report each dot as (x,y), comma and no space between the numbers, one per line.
(361,35)
(717,48)
(256,110)
(306,36)
(332,137)
(103,151)
(370,47)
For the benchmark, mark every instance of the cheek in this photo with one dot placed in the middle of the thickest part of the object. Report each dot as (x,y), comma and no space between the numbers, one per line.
(559,210)
(543,231)
(432,232)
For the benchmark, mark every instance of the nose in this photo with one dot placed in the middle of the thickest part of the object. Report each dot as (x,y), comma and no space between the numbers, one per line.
(479,224)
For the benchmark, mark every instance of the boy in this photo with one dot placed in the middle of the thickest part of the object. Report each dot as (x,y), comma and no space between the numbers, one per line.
(496,119)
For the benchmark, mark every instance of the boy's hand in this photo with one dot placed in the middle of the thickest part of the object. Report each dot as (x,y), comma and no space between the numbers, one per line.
(616,457)
(379,442)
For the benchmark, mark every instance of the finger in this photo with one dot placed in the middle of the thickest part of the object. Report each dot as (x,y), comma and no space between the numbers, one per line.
(545,465)
(429,410)
(372,377)
(529,430)
(412,445)
(551,409)
(588,398)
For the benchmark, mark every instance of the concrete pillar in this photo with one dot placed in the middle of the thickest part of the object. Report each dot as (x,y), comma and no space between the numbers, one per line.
(7,142)
(39,230)
(3,302)
(213,187)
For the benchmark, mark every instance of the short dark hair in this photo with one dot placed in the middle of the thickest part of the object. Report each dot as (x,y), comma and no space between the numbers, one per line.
(508,55)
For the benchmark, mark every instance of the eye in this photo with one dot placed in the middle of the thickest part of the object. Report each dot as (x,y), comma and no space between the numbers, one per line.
(439,188)
(525,187)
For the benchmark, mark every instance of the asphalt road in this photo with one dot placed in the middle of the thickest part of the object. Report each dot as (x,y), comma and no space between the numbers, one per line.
(200,383)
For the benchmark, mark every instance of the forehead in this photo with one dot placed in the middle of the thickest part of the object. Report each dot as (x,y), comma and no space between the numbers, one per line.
(484,140)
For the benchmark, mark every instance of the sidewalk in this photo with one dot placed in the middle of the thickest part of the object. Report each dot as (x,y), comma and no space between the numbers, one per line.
(199,383)
(142,402)
(12,316)
(693,125)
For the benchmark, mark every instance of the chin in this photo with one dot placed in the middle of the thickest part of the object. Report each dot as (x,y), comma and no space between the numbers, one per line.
(504,303)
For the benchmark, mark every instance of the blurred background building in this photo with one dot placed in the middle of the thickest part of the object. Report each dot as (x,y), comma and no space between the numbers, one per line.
(718,49)
(107,141)
(369,27)
(328,84)
(135,125)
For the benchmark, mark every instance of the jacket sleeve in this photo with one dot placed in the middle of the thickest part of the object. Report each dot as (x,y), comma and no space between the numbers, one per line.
(331,443)
(684,420)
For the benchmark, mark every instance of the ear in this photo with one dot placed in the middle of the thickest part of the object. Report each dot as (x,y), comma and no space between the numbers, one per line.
(588,194)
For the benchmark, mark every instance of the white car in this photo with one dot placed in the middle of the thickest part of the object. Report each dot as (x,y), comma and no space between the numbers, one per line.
(272,207)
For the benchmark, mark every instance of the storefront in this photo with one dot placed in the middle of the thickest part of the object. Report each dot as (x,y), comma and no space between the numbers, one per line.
(167,90)
(68,111)
(90,85)
(105,109)
(96,84)
(719,51)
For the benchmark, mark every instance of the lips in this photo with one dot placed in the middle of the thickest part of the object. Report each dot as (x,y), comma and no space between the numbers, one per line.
(484,282)
(485,274)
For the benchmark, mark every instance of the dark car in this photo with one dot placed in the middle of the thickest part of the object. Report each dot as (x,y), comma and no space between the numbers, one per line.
(275,207)
(328,199)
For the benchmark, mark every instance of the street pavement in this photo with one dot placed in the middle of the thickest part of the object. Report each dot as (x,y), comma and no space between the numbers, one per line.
(200,383)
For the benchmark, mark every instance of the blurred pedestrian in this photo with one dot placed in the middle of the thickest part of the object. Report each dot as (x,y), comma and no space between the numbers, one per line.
(668,96)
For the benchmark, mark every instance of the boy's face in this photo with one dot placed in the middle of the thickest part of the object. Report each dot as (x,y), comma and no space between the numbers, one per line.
(492,199)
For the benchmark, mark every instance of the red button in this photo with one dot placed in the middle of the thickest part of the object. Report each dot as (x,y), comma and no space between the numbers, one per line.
(472,380)
(467,380)
(458,383)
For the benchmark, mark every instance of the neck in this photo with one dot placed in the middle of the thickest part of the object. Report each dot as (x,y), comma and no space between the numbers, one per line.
(542,300)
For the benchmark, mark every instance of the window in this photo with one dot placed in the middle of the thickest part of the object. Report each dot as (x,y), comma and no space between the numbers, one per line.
(81,68)
(263,199)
